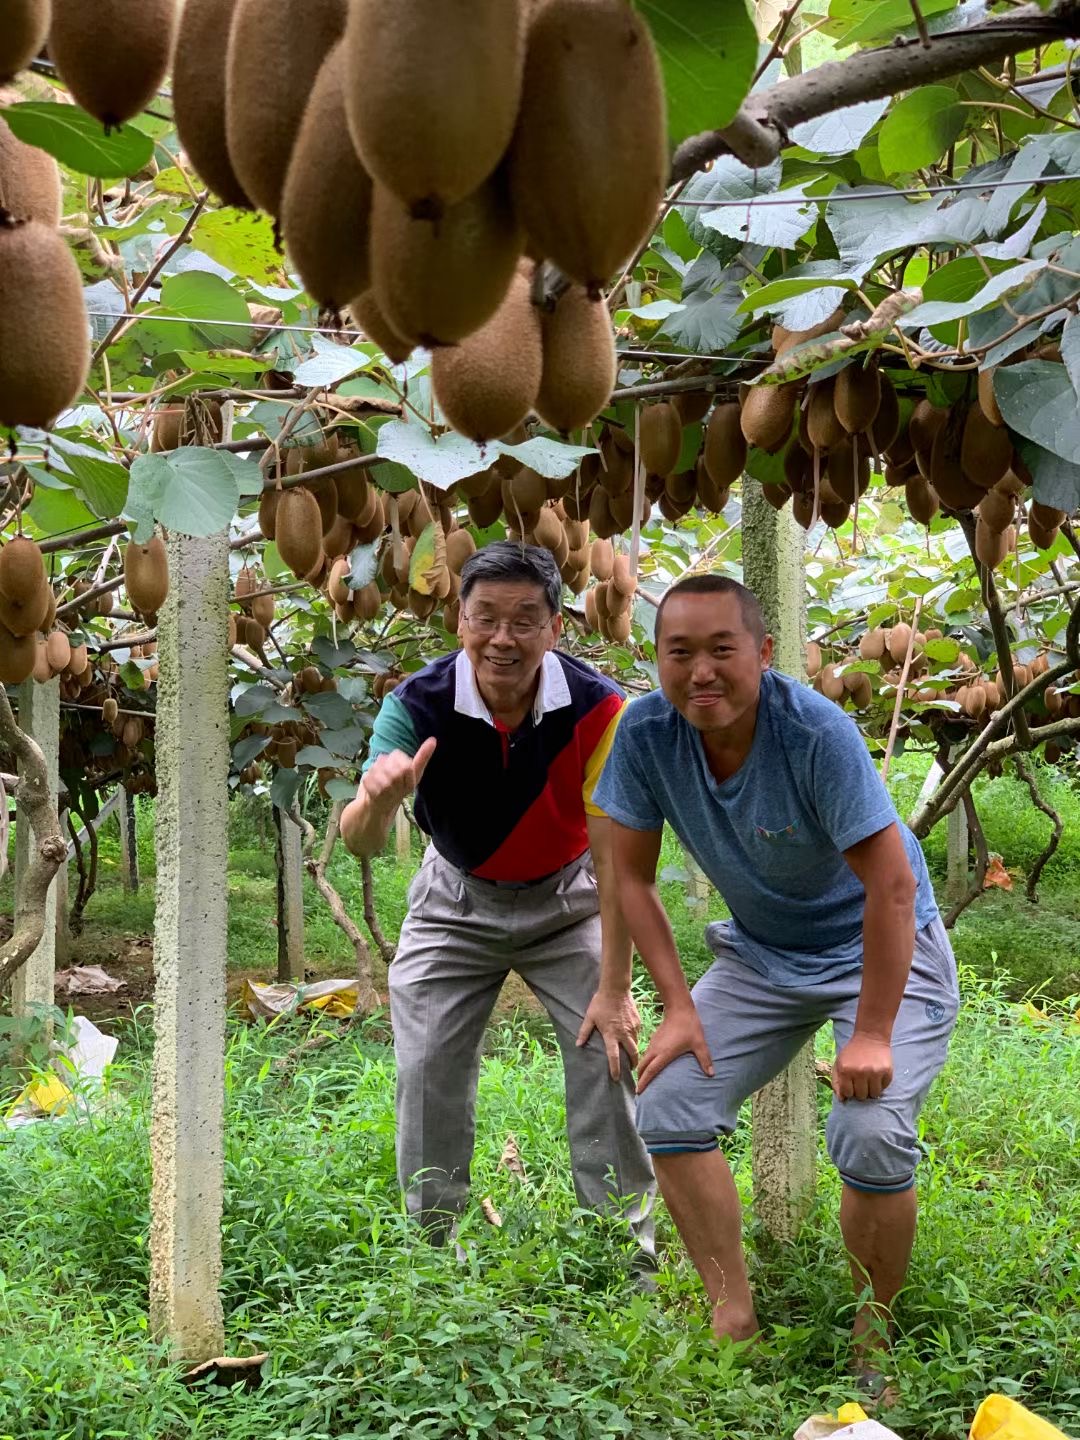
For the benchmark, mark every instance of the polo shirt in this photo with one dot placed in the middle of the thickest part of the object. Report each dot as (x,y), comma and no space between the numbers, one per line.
(504,806)
(771,837)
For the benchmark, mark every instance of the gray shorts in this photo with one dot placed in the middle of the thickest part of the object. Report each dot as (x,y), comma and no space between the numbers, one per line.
(754,1029)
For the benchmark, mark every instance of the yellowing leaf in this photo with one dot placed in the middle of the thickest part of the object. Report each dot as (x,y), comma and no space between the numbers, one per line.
(422,566)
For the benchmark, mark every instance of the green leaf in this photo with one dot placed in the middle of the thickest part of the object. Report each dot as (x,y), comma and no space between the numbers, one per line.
(248,749)
(254,699)
(284,788)
(363,567)
(863,20)
(102,483)
(1070,350)
(243,242)
(709,53)
(422,561)
(55,512)
(440,461)
(79,141)
(780,224)
(918,131)
(246,473)
(316,757)
(814,275)
(1055,482)
(344,743)
(199,295)
(341,789)
(329,708)
(709,319)
(938,312)
(944,651)
(191,490)
(329,364)
(551,458)
(331,655)
(841,131)
(215,363)
(1038,401)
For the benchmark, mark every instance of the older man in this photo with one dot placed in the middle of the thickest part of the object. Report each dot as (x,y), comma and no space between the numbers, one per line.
(502,744)
(772,790)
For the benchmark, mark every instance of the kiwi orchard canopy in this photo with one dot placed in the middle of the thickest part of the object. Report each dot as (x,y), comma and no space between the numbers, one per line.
(638,362)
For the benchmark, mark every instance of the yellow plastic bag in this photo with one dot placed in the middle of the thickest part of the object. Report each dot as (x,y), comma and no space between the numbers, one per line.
(49,1095)
(999,1418)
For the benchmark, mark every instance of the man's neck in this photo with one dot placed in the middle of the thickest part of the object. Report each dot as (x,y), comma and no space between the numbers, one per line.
(514,715)
(727,749)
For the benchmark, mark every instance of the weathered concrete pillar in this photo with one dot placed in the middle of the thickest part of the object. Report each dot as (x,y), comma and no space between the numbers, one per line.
(39,716)
(956,884)
(190,927)
(129,850)
(290,899)
(785,1112)
(63,901)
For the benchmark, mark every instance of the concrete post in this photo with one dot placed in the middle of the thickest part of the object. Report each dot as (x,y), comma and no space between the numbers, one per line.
(956,884)
(129,850)
(39,717)
(63,900)
(785,1112)
(290,899)
(191,838)
(402,835)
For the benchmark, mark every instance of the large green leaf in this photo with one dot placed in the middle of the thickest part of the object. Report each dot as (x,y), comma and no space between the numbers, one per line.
(858,21)
(1038,401)
(57,511)
(814,275)
(441,461)
(192,490)
(102,482)
(329,364)
(1055,482)
(709,52)
(920,128)
(197,295)
(937,312)
(243,242)
(79,141)
(551,458)
(840,132)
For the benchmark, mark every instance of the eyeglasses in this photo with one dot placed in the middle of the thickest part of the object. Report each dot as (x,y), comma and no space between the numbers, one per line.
(487,625)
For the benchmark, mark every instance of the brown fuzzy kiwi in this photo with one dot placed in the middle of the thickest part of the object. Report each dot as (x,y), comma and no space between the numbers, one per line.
(42,671)
(724,449)
(548,532)
(872,644)
(441,282)
(813,658)
(602,559)
(784,340)
(946,473)
(591,617)
(589,159)
(682,488)
(112,55)
(777,495)
(857,684)
(485,509)
(767,414)
(45,353)
(18,655)
(991,546)
(829,682)
(710,495)
(899,474)
(146,574)
(262,610)
(433,94)
(354,492)
(22,569)
(325,492)
(1047,515)
(523,494)
(835,513)
(600,517)
(619,628)
(23,617)
(367,315)
(489,383)
(58,651)
(802,507)
(857,397)
(336,587)
(925,422)
(459,546)
(849,468)
(622,581)
(615,469)
(661,438)
(899,638)
(798,469)
(987,399)
(198,94)
(886,427)
(823,426)
(30,185)
(326,198)
(276,48)
(367,602)
(985,450)
(109,710)
(176,425)
(268,503)
(579,362)
(692,405)
(299,530)
(1042,536)
(365,534)
(25,28)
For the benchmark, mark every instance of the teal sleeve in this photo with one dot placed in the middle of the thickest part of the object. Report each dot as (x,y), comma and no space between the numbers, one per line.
(393,730)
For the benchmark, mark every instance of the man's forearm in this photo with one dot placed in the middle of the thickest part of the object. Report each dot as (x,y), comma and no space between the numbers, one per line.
(364,828)
(616,949)
(888,945)
(648,923)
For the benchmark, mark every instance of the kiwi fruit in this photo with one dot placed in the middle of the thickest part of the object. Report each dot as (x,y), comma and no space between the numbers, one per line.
(112,55)
(849,468)
(146,574)
(946,473)
(872,644)
(579,362)
(268,503)
(299,530)
(985,450)
(22,570)
(18,656)
(459,546)
(198,94)
(1048,516)
(619,628)
(199,422)
(355,498)
(692,405)
(485,509)
(724,448)
(433,90)
(262,610)
(829,682)
(326,200)
(368,317)
(987,399)
(857,397)
(26,25)
(996,509)
(835,513)
(922,502)
(798,469)
(897,645)
(440,283)
(991,546)
(823,427)
(710,495)
(58,651)
(802,507)
(766,416)
(489,383)
(1042,536)
(661,438)
(325,492)
(857,684)
(30,185)
(682,488)
(925,422)
(42,671)
(589,158)
(525,493)
(45,353)
(275,51)
(23,617)
(367,602)
(776,495)
(784,339)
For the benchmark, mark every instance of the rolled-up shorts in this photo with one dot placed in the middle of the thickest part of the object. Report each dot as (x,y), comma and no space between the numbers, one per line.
(755,1028)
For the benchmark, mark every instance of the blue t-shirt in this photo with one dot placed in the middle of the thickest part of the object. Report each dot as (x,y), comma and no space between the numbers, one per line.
(771,837)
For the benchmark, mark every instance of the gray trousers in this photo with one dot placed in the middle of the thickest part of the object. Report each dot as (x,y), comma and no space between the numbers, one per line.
(460,940)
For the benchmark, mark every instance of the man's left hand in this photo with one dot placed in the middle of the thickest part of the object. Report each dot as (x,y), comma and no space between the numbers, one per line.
(863,1069)
(616,1017)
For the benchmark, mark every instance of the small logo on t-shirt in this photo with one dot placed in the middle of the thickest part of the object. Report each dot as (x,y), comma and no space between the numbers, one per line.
(787,833)
(935,1011)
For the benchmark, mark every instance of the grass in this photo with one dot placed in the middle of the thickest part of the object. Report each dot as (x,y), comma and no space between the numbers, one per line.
(372,1333)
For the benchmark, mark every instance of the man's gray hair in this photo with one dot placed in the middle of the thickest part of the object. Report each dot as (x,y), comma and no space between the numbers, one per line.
(504,561)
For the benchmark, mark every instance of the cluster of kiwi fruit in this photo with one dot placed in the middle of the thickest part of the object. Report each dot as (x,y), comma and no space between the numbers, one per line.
(420,160)
(197,421)
(251,625)
(608,603)
(142,675)
(84,757)
(30,643)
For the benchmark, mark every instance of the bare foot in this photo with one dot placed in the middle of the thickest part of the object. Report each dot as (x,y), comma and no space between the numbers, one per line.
(734,1324)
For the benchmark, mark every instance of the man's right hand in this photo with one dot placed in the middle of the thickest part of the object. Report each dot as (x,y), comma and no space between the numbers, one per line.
(679,1033)
(394,777)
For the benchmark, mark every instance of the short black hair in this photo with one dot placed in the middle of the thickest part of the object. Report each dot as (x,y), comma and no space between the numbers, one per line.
(509,560)
(752,617)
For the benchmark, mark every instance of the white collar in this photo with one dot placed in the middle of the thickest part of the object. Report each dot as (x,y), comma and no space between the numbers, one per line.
(553,693)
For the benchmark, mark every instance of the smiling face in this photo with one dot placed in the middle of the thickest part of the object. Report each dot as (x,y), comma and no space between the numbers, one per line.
(506,628)
(710,664)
